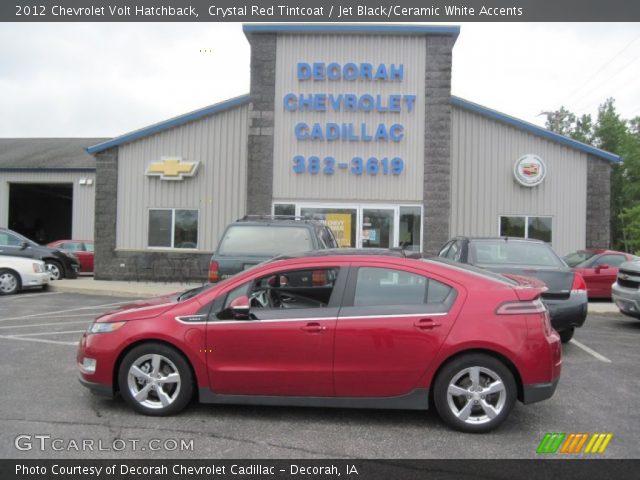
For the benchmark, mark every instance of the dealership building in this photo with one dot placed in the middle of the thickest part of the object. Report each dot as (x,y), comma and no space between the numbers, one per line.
(355,123)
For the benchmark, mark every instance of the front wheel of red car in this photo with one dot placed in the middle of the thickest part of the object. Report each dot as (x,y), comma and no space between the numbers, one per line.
(474,393)
(155,379)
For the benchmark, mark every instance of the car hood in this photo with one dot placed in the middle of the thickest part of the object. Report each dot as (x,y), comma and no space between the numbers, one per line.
(148,308)
(633,267)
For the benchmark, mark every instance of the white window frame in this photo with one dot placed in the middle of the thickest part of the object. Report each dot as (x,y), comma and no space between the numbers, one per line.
(526,223)
(359,207)
(173,229)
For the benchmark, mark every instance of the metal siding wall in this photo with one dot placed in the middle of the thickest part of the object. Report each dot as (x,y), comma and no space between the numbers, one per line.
(343,185)
(483,187)
(218,190)
(83,197)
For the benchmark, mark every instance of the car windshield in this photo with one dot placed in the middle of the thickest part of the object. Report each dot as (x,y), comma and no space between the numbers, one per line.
(500,252)
(265,240)
(576,258)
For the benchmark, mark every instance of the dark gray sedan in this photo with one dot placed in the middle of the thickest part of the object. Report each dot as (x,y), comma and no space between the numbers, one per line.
(566,297)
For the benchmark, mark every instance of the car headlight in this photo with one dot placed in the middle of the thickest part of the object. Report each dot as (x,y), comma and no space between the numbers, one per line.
(38,267)
(70,255)
(105,327)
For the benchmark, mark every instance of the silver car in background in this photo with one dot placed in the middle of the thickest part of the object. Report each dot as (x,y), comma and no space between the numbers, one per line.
(625,292)
(18,273)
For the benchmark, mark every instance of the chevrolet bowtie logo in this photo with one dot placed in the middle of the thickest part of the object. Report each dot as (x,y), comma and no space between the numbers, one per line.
(172,168)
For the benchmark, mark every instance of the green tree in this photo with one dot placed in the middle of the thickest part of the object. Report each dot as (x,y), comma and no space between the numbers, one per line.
(611,133)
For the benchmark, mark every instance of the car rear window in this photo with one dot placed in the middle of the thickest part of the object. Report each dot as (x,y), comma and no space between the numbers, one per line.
(265,240)
(487,252)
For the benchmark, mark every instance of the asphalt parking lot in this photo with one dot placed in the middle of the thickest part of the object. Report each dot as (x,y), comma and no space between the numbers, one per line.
(599,392)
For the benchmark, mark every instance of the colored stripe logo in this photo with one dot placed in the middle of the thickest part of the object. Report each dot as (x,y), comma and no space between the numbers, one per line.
(573,443)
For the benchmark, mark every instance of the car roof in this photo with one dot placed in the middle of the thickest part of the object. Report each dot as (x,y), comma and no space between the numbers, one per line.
(278,221)
(359,252)
(504,239)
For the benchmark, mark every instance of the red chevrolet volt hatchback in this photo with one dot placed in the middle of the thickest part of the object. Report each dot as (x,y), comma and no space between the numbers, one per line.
(335,328)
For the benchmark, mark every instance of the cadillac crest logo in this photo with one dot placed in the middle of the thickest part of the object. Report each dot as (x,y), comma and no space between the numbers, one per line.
(529,170)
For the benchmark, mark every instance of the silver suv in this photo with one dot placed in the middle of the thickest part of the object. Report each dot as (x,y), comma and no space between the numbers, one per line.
(626,291)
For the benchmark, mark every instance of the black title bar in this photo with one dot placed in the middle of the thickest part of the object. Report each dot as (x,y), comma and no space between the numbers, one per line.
(319,11)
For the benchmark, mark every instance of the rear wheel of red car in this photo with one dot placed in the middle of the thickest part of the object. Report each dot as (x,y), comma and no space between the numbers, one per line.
(474,393)
(566,335)
(155,379)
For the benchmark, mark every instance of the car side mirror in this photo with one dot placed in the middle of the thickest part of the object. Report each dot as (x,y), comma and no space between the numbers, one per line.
(24,245)
(240,306)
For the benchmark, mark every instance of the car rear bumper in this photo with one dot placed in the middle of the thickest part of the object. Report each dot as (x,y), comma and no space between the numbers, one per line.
(537,392)
(568,313)
(627,300)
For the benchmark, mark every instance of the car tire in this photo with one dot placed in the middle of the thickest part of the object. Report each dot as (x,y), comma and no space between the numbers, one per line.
(567,334)
(9,282)
(155,379)
(474,393)
(55,269)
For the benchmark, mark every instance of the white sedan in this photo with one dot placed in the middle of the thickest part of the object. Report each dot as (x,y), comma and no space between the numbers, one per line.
(17,273)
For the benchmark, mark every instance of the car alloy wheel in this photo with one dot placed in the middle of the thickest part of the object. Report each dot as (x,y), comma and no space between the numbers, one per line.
(54,269)
(9,282)
(475,393)
(155,379)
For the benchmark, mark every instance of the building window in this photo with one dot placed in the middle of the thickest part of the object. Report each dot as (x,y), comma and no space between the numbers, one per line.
(288,209)
(525,226)
(173,228)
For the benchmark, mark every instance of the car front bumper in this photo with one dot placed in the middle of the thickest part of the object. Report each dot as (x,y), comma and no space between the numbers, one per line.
(627,300)
(33,279)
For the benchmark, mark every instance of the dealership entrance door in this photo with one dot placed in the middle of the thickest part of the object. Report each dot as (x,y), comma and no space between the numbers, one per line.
(41,211)
(365,225)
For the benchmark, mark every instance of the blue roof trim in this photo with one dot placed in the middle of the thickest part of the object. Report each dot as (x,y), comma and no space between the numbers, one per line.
(167,124)
(534,129)
(324,28)
(47,170)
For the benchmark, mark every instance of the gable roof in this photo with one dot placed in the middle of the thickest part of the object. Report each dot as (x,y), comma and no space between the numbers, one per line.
(533,129)
(170,123)
(52,154)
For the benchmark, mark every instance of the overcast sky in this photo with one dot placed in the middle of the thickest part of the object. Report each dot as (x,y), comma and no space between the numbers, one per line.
(103,80)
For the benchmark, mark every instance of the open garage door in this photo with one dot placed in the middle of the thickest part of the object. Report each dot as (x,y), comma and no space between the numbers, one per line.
(40,211)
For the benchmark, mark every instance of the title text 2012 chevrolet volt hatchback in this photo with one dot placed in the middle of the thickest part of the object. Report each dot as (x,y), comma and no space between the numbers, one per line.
(334,328)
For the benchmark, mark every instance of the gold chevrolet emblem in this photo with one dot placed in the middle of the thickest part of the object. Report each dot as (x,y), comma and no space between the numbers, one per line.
(172,168)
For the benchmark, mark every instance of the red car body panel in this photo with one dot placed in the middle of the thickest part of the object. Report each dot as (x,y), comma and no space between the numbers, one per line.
(599,280)
(85,258)
(329,352)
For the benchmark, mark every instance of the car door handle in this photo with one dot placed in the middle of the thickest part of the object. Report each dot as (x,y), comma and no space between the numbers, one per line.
(314,327)
(426,324)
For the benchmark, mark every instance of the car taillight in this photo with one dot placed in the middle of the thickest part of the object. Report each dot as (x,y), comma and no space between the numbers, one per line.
(579,284)
(214,274)
(522,308)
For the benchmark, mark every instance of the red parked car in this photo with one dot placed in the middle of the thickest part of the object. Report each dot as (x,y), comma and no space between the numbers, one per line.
(83,249)
(334,328)
(599,268)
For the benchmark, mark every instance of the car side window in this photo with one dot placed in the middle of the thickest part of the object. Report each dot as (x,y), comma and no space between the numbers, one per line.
(443,250)
(455,251)
(383,286)
(72,246)
(611,260)
(9,240)
(308,288)
(88,247)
